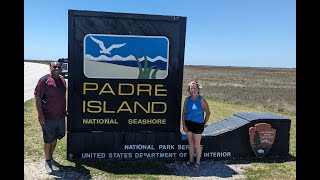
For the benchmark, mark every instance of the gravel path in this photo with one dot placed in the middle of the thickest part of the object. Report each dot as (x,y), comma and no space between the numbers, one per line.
(213,170)
(34,170)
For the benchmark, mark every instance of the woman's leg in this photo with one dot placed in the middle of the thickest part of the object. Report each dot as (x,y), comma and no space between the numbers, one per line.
(191,146)
(197,140)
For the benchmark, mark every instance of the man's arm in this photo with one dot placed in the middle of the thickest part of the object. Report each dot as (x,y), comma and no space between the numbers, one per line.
(39,108)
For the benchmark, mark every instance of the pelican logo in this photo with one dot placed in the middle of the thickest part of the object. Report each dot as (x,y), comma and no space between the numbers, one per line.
(126,57)
(262,137)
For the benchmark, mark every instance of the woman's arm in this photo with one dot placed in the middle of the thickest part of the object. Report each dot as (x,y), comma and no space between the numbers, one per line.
(183,116)
(205,106)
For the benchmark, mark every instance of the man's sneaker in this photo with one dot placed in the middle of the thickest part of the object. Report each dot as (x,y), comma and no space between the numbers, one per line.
(48,166)
(55,163)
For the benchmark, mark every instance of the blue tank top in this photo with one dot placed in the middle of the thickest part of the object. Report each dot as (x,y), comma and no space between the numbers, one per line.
(195,112)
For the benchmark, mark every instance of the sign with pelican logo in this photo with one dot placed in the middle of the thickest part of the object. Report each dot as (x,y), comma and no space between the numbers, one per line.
(126,56)
(262,137)
(126,72)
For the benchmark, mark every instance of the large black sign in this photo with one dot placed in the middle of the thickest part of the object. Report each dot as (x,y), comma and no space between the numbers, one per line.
(125,71)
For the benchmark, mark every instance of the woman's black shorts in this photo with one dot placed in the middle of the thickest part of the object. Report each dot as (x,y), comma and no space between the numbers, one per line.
(196,128)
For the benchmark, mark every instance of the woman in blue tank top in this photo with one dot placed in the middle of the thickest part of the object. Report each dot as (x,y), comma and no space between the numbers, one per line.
(195,115)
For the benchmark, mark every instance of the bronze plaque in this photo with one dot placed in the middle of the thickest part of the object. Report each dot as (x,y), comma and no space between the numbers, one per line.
(261,137)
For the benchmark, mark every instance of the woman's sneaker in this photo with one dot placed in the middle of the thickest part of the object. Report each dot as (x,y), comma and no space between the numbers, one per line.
(196,165)
(187,163)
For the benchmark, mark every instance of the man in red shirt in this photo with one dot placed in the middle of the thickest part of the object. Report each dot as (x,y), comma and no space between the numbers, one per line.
(50,96)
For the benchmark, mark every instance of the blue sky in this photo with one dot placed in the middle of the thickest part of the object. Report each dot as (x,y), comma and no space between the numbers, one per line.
(255,33)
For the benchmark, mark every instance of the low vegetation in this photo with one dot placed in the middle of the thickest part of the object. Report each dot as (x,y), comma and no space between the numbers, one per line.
(263,88)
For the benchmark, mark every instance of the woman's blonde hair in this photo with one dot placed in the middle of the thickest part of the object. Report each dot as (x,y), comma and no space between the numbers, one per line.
(199,86)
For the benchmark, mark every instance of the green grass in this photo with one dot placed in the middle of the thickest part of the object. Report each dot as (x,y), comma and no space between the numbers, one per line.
(155,169)
(286,170)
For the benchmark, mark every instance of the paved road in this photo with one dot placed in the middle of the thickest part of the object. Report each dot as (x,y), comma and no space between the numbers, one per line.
(32,73)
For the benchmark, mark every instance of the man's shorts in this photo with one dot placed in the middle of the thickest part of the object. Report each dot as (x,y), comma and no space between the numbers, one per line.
(53,129)
(196,128)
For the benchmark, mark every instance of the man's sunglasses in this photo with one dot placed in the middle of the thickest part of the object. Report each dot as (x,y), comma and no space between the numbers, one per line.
(56,67)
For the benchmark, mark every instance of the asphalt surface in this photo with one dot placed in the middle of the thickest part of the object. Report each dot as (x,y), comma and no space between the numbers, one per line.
(32,73)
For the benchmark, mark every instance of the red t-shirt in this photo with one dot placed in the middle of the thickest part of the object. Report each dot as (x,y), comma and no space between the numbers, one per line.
(53,95)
